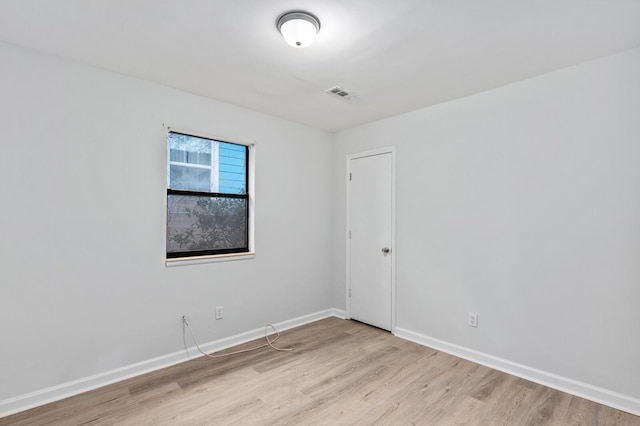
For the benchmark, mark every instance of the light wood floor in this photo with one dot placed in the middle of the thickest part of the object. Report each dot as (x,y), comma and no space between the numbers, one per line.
(341,373)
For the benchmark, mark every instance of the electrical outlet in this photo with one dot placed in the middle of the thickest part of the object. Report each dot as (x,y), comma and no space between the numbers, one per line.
(473,320)
(219,312)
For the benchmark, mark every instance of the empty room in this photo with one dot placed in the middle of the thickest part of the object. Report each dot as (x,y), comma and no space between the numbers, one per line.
(337,212)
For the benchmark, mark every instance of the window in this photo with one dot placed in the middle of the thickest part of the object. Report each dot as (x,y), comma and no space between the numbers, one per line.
(207,196)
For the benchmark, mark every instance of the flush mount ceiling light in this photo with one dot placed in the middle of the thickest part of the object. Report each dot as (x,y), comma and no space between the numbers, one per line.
(298,28)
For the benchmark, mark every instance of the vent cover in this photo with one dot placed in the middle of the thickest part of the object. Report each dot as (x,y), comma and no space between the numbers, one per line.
(341,93)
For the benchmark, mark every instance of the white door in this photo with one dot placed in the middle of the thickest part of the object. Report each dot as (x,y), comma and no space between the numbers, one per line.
(370,237)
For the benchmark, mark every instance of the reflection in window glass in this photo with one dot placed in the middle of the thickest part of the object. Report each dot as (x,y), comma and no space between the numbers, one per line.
(190,178)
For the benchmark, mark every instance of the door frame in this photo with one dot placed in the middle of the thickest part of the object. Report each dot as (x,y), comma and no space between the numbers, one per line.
(392,151)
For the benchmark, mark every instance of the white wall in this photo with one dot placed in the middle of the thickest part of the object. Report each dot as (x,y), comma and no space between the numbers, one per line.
(521,204)
(84,288)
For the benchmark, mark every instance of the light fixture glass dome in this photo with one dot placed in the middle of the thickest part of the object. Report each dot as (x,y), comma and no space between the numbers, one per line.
(299,29)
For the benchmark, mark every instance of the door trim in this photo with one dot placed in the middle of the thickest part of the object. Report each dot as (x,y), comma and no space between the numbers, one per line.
(392,151)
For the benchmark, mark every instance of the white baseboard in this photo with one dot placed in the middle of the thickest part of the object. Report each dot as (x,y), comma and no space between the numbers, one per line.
(56,393)
(574,387)
(64,390)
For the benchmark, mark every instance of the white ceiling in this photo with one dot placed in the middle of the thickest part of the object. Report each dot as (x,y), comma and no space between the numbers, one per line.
(397,55)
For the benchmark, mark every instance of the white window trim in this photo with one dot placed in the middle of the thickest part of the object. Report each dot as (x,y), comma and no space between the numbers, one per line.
(197,260)
(215,166)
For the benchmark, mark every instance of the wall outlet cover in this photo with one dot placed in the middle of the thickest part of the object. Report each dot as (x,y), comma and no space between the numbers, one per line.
(473,320)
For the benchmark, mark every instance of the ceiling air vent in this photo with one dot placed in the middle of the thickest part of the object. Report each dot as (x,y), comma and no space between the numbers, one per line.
(341,93)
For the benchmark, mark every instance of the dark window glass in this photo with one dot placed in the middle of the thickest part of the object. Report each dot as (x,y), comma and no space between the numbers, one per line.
(206,223)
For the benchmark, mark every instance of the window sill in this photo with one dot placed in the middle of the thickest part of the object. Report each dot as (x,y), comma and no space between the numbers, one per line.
(186,261)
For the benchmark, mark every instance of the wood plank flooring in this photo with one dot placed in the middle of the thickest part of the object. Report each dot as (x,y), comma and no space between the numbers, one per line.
(340,373)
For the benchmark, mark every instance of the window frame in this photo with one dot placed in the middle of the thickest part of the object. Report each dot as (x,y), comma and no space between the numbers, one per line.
(200,256)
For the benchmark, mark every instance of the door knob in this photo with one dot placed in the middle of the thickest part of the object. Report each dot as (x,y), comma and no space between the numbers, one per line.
(386,250)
